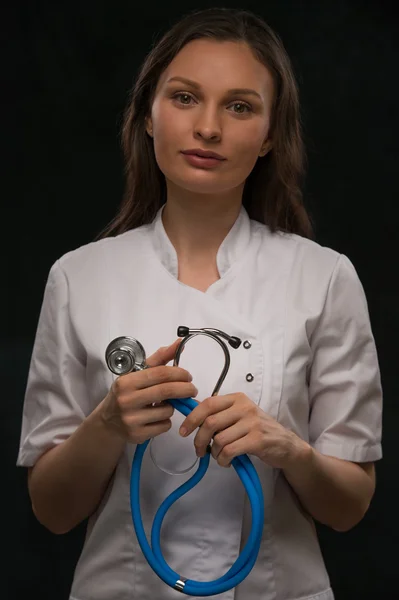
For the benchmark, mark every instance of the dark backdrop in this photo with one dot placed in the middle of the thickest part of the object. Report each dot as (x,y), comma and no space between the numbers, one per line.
(67,70)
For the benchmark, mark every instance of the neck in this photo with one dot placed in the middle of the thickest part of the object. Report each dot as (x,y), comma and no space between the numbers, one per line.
(197,224)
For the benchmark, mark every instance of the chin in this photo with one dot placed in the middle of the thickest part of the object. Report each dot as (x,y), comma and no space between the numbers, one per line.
(206,183)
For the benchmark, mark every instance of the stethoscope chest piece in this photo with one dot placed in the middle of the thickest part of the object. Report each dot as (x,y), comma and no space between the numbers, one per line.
(124,355)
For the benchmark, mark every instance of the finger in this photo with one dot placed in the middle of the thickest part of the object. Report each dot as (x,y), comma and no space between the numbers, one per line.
(163,374)
(215,422)
(147,378)
(161,393)
(154,429)
(245,445)
(155,414)
(163,355)
(207,407)
(229,435)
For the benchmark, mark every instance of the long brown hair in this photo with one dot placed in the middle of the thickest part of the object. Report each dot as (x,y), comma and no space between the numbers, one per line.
(272,192)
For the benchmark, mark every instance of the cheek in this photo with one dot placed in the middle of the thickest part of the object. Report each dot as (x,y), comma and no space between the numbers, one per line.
(245,151)
(169,135)
(247,143)
(163,148)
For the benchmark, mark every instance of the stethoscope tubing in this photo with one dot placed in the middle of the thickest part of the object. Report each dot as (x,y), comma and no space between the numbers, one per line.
(153,554)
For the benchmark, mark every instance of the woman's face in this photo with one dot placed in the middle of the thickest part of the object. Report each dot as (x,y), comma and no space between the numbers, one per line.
(214,96)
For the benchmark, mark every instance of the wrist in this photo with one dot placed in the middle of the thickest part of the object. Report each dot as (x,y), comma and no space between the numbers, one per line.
(104,423)
(300,458)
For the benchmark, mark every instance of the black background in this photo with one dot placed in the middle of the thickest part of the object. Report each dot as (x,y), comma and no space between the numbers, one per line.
(67,69)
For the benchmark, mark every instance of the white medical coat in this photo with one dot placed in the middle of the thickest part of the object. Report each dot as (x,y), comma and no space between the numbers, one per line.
(313,360)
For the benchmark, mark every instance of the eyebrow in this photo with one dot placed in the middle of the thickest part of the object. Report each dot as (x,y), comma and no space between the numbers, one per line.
(194,84)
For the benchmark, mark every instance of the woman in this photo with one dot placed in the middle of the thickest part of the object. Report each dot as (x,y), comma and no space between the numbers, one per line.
(212,232)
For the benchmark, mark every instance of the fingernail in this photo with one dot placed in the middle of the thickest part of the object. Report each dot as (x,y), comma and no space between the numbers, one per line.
(183,431)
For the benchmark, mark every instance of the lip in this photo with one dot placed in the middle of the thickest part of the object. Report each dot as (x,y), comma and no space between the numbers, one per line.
(204,153)
(202,162)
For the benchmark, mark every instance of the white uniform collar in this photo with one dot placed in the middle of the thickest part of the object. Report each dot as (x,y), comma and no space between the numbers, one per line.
(230,250)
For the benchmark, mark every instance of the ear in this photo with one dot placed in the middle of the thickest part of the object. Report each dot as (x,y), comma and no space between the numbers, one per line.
(266,147)
(148,126)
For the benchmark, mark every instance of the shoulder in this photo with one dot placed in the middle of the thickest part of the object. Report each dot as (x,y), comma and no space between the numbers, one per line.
(307,264)
(98,256)
(298,249)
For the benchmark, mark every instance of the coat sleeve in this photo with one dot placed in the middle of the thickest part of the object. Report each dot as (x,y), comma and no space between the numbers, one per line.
(344,382)
(55,401)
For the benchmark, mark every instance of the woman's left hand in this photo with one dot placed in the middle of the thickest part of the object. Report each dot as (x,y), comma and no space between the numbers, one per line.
(238,426)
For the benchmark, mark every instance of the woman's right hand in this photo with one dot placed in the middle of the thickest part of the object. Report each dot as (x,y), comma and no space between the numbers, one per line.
(128,407)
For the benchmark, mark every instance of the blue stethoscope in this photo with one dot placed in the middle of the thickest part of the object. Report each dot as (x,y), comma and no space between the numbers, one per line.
(124,355)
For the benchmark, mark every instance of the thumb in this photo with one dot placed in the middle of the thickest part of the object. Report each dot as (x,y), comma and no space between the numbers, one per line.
(163,355)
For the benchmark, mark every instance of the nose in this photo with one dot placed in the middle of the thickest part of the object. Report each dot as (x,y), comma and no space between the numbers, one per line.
(207,126)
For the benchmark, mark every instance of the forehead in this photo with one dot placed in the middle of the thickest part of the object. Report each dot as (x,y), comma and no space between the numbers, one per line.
(219,64)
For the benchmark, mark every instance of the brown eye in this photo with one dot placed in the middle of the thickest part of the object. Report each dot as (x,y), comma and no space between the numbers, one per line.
(183,98)
(243,108)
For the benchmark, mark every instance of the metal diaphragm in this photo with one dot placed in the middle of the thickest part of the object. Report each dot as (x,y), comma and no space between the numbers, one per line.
(124,355)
